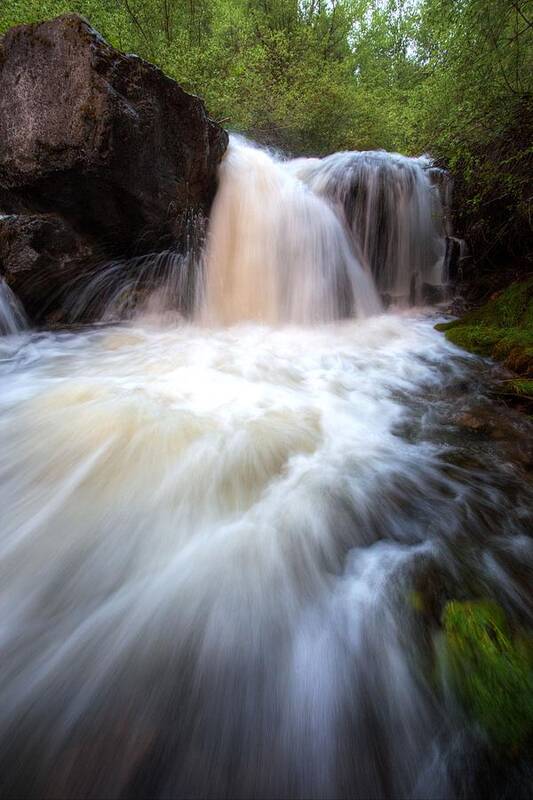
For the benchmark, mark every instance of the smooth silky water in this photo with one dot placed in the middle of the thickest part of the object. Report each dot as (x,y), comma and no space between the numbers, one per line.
(212,532)
(12,315)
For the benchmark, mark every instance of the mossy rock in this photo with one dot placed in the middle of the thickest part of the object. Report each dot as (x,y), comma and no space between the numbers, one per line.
(492,671)
(511,308)
(501,329)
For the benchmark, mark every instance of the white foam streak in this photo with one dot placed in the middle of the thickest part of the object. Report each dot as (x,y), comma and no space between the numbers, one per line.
(12,316)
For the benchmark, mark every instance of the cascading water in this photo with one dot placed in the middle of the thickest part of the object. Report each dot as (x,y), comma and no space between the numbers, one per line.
(393,211)
(303,241)
(211,535)
(12,316)
(277,252)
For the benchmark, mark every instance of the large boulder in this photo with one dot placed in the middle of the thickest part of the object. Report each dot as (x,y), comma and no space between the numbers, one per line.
(104,141)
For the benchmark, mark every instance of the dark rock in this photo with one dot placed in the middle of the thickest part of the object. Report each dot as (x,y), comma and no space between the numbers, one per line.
(40,256)
(433,294)
(106,139)
(452,257)
(456,251)
(119,153)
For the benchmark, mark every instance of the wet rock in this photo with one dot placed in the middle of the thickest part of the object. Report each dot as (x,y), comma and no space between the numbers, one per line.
(456,250)
(117,151)
(471,422)
(433,294)
(40,256)
(443,180)
(452,257)
(457,306)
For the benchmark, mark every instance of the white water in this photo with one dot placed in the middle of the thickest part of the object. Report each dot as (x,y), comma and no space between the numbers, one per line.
(209,538)
(303,241)
(276,251)
(393,211)
(210,534)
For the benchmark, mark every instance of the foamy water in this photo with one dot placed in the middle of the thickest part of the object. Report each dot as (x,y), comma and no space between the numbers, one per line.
(277,252)
(209,542)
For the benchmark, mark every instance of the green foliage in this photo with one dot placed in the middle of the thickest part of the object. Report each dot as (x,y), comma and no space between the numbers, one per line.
(520,387)
(509,309)
(449,77)
(474,110)
(502,328)
(491,670)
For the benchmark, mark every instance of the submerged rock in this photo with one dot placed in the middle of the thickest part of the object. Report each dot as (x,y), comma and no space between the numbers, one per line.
(470,421)
(120,152)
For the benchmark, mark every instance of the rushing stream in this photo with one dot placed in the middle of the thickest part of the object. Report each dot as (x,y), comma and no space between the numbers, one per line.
(212,535)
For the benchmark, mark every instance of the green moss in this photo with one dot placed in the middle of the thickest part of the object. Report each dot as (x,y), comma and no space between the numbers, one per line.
(512,307)
(521,387)
(491,670)
(477,339)
(501,329)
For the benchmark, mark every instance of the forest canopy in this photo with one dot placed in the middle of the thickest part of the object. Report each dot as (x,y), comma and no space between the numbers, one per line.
(448,77)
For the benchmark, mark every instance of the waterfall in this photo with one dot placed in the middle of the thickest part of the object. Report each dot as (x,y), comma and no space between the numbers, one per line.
(312,240)
(277,251)
(296,241)
(12,316)
(393,212)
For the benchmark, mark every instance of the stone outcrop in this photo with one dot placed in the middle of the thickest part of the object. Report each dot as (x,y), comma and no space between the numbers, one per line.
(101,156)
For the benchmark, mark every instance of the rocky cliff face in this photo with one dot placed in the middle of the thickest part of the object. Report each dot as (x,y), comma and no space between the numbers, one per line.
(101,156)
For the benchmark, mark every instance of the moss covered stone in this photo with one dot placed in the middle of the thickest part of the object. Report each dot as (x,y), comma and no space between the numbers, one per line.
(492,670)
(501,329)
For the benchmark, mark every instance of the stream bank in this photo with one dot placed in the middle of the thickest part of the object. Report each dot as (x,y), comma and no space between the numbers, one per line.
(502,329)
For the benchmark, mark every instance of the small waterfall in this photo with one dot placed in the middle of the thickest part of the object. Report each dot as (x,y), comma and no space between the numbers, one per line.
(277,252)
(394,214)
(164,283)
(12,316)
(159,284)
(299,241)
